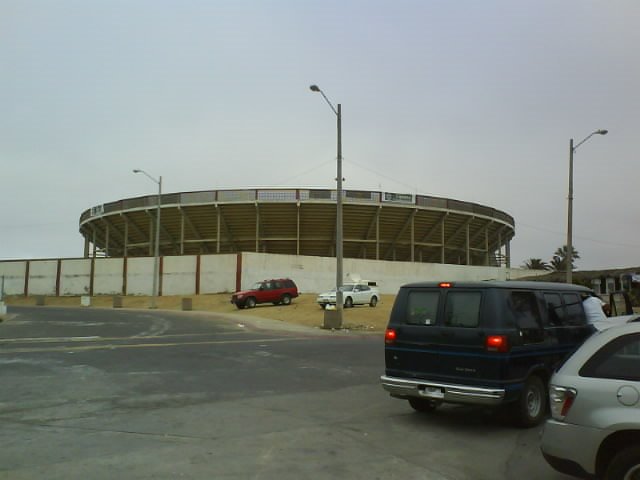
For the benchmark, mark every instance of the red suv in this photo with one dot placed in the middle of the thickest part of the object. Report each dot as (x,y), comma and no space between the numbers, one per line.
(277,291)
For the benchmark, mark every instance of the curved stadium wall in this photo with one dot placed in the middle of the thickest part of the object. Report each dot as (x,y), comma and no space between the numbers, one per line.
(376,226)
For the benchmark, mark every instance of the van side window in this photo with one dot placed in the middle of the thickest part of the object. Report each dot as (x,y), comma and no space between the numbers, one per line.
(524,308)
(462,309)
(556,313)
(575,310)
(422,307)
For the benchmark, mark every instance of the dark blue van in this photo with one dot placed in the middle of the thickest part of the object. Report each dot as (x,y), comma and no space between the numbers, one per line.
(485,343)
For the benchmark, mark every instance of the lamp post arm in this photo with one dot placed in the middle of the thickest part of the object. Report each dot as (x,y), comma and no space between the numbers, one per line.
(582,141)
(597,132)
(329,102)
(137,170)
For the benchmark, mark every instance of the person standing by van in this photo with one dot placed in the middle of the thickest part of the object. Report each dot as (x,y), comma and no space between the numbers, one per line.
(593,308)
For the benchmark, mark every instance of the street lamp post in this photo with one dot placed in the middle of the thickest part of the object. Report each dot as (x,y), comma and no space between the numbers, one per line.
(156,262)
(339,233)
(569,258)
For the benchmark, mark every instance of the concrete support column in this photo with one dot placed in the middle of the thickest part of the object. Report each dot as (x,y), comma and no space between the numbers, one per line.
(486,247)
(413,245)
(106,241)
(125,251)
(218,232)
(298,229)
(378,234)
(467,247)
(442,255)
(181,232)
(257,229)
(151,233)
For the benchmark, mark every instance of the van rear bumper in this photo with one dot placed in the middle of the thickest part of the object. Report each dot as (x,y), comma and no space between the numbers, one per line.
(444,392)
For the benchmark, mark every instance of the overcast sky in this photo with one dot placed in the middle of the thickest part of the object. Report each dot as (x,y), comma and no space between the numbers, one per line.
(471,100)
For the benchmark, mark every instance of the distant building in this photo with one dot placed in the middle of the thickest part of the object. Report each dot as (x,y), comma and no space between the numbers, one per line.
(301,221)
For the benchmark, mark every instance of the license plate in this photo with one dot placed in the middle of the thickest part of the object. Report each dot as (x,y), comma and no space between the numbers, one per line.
(432,392)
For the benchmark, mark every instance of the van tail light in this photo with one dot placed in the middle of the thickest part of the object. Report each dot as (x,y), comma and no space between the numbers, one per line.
(497,343)
(560,400)
(445,284)
(390,336)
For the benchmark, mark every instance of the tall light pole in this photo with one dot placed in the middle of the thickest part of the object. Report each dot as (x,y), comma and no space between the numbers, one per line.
(156,262)
(339,296)
(569,258)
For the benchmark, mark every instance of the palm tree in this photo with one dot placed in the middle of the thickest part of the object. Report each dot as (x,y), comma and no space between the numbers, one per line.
(559,260)
(536,264)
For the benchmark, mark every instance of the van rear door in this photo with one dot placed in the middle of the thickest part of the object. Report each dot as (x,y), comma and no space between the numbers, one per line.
(465,358)
(441,338)
(414,321)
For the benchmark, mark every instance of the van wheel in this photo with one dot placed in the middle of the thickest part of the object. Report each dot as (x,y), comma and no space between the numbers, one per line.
(348,303)
(531,408)
(625,464)
(250,302)
(373,302)
(286,299)
(422,405)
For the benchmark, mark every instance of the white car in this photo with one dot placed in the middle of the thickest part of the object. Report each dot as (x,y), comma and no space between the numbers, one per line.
(359,293)
(594,431)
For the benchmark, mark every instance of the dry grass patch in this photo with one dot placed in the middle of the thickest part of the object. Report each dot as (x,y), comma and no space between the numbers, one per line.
(302,311)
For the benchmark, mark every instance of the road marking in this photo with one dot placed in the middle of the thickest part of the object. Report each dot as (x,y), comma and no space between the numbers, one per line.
(73,349)
(105,339)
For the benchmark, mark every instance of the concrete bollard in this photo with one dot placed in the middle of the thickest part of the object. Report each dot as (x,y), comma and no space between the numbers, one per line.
(117,302)
(85,301)
(187,304)
(332,319)
(40,300)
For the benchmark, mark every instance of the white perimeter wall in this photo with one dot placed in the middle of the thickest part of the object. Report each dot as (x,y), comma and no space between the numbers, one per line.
(219,273)
(108,275)
(75,276)
(40,276)
(13,273)
(139,275)
(317,274)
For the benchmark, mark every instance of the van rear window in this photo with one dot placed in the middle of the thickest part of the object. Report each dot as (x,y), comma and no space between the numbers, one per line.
(422,307)
(462,309)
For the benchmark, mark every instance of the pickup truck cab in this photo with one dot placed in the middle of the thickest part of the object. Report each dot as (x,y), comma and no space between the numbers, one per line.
(353,293)
(484,343)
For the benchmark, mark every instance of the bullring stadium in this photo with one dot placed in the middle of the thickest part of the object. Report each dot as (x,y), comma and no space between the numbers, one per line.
(301,221)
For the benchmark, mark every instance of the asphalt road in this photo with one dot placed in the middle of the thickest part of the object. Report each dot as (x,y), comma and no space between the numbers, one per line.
(102,394)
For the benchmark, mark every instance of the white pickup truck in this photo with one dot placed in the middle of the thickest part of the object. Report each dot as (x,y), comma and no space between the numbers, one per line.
(353,293)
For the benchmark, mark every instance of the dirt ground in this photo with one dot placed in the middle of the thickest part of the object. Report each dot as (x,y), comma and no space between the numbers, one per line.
(302,311)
